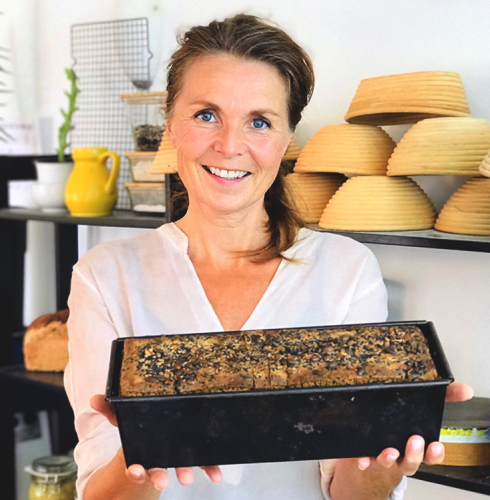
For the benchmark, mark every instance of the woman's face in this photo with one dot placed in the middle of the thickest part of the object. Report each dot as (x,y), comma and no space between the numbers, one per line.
(230,129)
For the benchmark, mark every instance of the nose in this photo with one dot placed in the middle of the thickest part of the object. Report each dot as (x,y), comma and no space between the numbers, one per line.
(230,140)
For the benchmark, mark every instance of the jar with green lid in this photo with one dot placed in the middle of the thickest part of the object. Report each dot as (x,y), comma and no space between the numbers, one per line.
(53,478)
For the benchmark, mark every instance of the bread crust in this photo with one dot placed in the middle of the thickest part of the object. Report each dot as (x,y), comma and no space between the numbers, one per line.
(46,343)
(46,319)
(276,359)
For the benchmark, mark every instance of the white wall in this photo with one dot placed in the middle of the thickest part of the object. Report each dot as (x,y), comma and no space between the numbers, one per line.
(348,41)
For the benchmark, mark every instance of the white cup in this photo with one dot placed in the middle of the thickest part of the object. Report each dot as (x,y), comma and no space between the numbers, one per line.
(50,197)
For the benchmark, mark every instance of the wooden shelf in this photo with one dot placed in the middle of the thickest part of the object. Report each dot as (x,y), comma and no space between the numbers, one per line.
(429,238)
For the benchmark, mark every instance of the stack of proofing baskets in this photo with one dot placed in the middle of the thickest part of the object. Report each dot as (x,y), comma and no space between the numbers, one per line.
(378,196)
(147,118)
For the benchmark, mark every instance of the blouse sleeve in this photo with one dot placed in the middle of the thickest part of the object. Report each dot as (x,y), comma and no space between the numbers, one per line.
(90,332)
(369,304)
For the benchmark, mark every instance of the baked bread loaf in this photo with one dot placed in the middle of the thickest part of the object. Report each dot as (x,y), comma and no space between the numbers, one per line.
(274,359)
(46,343)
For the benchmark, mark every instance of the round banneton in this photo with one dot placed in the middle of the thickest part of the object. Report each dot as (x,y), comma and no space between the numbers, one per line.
(311,192)
(353,149)
(468,210)
(408,98)
(166,159)
(445,169)
(385,117)
(293,150)
(446,227)
(376,203)
(467,123)
(378,226)
(484,167)
(435,94)
(413,103)
(447,146)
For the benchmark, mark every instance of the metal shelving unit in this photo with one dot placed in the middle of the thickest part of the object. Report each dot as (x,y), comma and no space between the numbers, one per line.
(429,238)
(476,479)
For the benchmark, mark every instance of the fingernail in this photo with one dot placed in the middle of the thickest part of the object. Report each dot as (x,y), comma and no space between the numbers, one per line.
(136,475)
(437,448)
(363,465)
(417,444)
(391,457)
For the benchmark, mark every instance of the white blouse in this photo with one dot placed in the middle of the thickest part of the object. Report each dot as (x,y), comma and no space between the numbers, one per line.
(147,285)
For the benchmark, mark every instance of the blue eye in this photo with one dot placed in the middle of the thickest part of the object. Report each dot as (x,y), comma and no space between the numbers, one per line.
(260,123)
(205,116)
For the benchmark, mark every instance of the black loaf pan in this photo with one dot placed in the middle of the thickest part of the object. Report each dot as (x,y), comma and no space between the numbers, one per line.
(279,425)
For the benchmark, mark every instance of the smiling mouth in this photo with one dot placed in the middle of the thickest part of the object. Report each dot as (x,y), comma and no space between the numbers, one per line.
(226,174)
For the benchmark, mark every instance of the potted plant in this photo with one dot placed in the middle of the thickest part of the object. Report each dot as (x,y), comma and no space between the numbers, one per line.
(53,172)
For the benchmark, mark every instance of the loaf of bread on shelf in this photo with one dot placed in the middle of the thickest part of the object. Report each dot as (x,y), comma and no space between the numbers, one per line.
(46,343)
(274,359)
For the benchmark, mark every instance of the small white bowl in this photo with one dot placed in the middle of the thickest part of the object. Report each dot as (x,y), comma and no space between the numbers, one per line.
(50,198)
(53,172)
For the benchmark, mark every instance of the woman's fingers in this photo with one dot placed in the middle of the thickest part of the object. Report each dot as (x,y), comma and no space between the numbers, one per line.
(213,472)
(434,454)
(136,474)
(159,478)
(363,462)
(383,461)
(414,455)
(387,457)
(98,403)
(458,391)
(184,475)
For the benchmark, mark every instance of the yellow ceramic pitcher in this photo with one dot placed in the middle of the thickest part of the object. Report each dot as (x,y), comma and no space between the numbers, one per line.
(91,188)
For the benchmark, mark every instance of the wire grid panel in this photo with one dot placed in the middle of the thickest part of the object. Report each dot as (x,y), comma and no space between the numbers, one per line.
(110,58)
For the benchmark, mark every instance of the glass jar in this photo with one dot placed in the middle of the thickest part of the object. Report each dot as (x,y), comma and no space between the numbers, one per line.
(147,197)
(146,115)
(53,478)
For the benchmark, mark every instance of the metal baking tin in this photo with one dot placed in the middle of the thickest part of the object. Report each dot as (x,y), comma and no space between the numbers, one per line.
(279,425)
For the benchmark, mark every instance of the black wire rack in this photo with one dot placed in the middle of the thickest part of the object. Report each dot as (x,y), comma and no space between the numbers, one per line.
(110,58)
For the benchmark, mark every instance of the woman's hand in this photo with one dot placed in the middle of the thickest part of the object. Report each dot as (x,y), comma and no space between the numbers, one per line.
(376,477)
(414,451)
(137,473)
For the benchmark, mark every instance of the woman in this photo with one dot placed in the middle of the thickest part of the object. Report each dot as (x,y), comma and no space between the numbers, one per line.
(238,259)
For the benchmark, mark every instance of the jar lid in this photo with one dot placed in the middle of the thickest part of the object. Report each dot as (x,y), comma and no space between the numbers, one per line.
(54,465)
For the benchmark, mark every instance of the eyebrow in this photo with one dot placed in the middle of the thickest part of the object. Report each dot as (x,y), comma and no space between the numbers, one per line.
(211,105)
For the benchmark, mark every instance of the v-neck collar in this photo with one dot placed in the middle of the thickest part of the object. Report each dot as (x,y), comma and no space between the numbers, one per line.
(180,240)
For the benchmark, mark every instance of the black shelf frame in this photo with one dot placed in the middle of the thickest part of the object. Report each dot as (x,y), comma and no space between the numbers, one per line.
(476,479)
(51,381)
(428,238)
(118,218)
